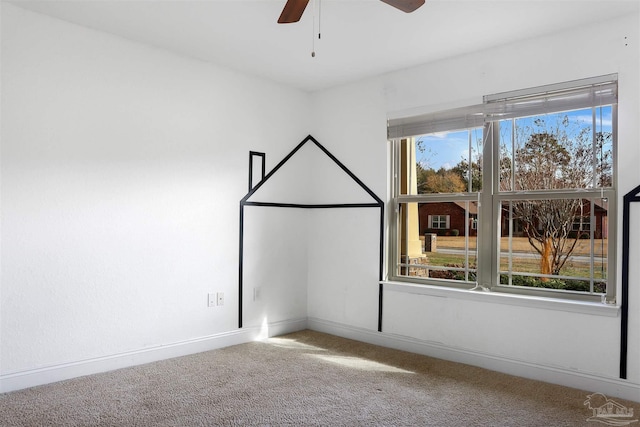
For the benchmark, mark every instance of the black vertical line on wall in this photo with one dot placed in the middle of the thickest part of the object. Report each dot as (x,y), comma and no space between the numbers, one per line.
(381,268)
(240,261)
(630,197)
(252,190)
(253,154)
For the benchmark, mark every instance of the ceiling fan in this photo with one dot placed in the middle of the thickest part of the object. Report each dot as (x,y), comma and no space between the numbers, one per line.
(293,9)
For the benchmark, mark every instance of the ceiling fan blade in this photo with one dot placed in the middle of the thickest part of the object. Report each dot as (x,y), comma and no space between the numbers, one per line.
(292,11)
(404,5)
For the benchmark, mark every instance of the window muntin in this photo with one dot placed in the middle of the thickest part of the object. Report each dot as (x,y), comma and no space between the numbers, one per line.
(578,141)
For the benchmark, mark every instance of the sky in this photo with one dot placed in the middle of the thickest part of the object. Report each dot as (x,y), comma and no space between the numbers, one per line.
(447,149)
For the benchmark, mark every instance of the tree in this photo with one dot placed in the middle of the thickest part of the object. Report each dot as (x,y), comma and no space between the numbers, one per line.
(548,225)
(452,180)
(440,181)
(551,157)
(604,159)
(462,169)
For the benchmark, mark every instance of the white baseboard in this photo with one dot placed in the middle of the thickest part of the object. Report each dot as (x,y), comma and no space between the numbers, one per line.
(287,327)
(45,375)
(611,387)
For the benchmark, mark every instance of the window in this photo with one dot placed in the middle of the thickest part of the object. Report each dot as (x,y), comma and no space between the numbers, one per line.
(582,223)
(519,192)
(439,221)
(437,194)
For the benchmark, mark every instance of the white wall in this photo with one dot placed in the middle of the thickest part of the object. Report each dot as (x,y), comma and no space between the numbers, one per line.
(530,340)
(122,168)
(344,245)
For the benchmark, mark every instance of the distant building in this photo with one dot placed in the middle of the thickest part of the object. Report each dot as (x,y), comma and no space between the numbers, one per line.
(444,218)
(449,219)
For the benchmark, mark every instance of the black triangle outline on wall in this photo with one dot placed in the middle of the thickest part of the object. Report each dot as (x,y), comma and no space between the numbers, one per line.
(377,203)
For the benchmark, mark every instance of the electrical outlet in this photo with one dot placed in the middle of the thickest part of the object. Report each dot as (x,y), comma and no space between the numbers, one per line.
(220,298)
(212,300)
(256,294)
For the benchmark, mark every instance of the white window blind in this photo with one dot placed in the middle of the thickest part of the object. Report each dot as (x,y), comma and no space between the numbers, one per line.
(441,121)
(574,95)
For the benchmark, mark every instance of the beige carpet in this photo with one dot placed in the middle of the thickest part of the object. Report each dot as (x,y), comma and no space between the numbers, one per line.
(302,379)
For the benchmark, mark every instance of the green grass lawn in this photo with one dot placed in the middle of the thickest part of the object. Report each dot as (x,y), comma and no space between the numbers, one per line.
(520,265)
(521,244)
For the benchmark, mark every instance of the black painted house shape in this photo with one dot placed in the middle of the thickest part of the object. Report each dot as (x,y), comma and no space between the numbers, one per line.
(278,197)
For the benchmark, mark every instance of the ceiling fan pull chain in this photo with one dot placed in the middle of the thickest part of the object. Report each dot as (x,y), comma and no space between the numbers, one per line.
(319,17)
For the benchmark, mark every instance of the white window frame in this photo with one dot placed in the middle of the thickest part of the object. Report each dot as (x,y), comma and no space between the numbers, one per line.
(535,101)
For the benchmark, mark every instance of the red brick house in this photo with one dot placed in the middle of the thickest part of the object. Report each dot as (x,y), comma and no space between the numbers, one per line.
(444,218)
(581,222)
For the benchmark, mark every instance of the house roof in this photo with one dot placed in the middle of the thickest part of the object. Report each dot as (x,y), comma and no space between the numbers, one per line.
(308,177)
(473,207)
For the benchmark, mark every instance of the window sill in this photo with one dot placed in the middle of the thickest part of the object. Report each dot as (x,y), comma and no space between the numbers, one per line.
(591,308)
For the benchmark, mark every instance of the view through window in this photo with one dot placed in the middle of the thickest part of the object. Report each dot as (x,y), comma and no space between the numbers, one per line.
(534,180)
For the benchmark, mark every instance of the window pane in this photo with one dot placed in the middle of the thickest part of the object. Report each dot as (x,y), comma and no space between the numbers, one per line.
(437,240)
(448,162)
(557,244)
(604,147)
(571,149)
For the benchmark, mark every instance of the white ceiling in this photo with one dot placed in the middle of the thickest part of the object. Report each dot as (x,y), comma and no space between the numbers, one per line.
(360,38)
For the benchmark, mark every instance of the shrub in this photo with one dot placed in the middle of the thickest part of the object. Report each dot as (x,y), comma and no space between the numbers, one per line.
(452,275)
(564,284)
